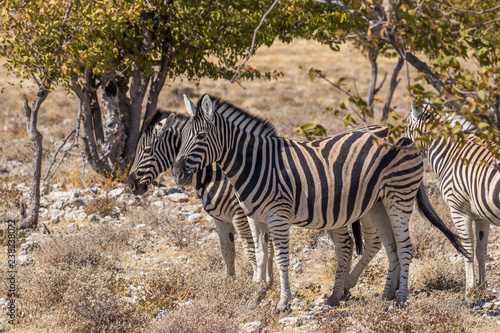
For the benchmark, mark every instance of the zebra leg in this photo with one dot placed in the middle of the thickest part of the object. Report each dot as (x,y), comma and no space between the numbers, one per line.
(226,237)
(240,223)
(378,216)
(260,232)
(372,246)
(400,218)
(343,250)
(482,233)
(280,234)
(269,271)
(464,226)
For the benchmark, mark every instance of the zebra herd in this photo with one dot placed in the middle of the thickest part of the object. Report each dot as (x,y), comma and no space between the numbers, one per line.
(256,183)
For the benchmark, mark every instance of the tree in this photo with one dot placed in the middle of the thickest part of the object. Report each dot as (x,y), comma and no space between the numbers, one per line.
(453,46)
(128,49)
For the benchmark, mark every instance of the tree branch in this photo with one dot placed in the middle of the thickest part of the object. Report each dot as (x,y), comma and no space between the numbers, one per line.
(238,70)
(347,9)
(471,11)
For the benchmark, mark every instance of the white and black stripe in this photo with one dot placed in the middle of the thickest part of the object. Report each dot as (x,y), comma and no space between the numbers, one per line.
(469,183)
(323,184)
(156,152)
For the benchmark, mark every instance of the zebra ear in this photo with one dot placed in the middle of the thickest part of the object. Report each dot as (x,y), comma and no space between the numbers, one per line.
(189,106)
(207,107)
(165,124)
(415,111)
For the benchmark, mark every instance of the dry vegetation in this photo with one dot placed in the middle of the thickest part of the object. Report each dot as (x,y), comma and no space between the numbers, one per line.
(153,269)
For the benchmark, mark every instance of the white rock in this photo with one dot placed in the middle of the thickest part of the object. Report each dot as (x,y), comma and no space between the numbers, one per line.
(158,193)
(115,193)
(252,327)
(55,219)
(195,217)
(289,321)
(60,196)
(24,259)
(178,197)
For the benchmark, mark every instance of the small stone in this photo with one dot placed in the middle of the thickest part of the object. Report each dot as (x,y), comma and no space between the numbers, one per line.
(252,327)
(115,193)
(93,218)
(158,193)
(178,197)
(55,219)
(289,321)
(479,305)
(195,217)
(24,259)
(78,203)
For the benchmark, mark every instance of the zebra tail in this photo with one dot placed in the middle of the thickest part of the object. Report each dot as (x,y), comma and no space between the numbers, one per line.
(358,239)
(430,214)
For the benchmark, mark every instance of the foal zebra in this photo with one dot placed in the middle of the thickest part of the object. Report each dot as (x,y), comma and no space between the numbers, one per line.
(156,152)
(471,190)
(324,184)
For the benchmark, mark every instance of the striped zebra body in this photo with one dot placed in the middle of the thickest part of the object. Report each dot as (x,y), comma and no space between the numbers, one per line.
(156,152)
(471,189)
(324,184)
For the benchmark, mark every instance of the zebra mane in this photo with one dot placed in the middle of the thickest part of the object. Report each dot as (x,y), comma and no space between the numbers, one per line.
(160,114)
(256,125)
(454,117)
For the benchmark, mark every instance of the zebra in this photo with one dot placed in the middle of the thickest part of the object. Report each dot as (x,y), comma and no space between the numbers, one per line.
(471,189)
(156,152)
(324,184)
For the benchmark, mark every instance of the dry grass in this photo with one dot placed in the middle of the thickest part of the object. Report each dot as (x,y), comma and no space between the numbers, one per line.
(105,206)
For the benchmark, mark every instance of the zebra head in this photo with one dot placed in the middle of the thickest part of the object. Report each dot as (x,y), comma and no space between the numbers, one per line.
(416,122)
(156,149)
(200,145)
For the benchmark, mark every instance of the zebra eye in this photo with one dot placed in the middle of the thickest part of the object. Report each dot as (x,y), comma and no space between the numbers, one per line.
(148,150)
(202,136)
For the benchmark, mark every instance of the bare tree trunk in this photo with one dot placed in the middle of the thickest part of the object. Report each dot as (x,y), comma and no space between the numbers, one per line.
(138,89)
(157,85)
(91,149)
(394,84)
(31,220)
(372,57)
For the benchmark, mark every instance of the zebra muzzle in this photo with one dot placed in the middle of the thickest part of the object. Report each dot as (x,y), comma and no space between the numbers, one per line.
(181,173)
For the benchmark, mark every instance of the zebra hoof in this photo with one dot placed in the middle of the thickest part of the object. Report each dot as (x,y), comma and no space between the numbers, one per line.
(333,301)
(389,296)
(282,307)
(400,302)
